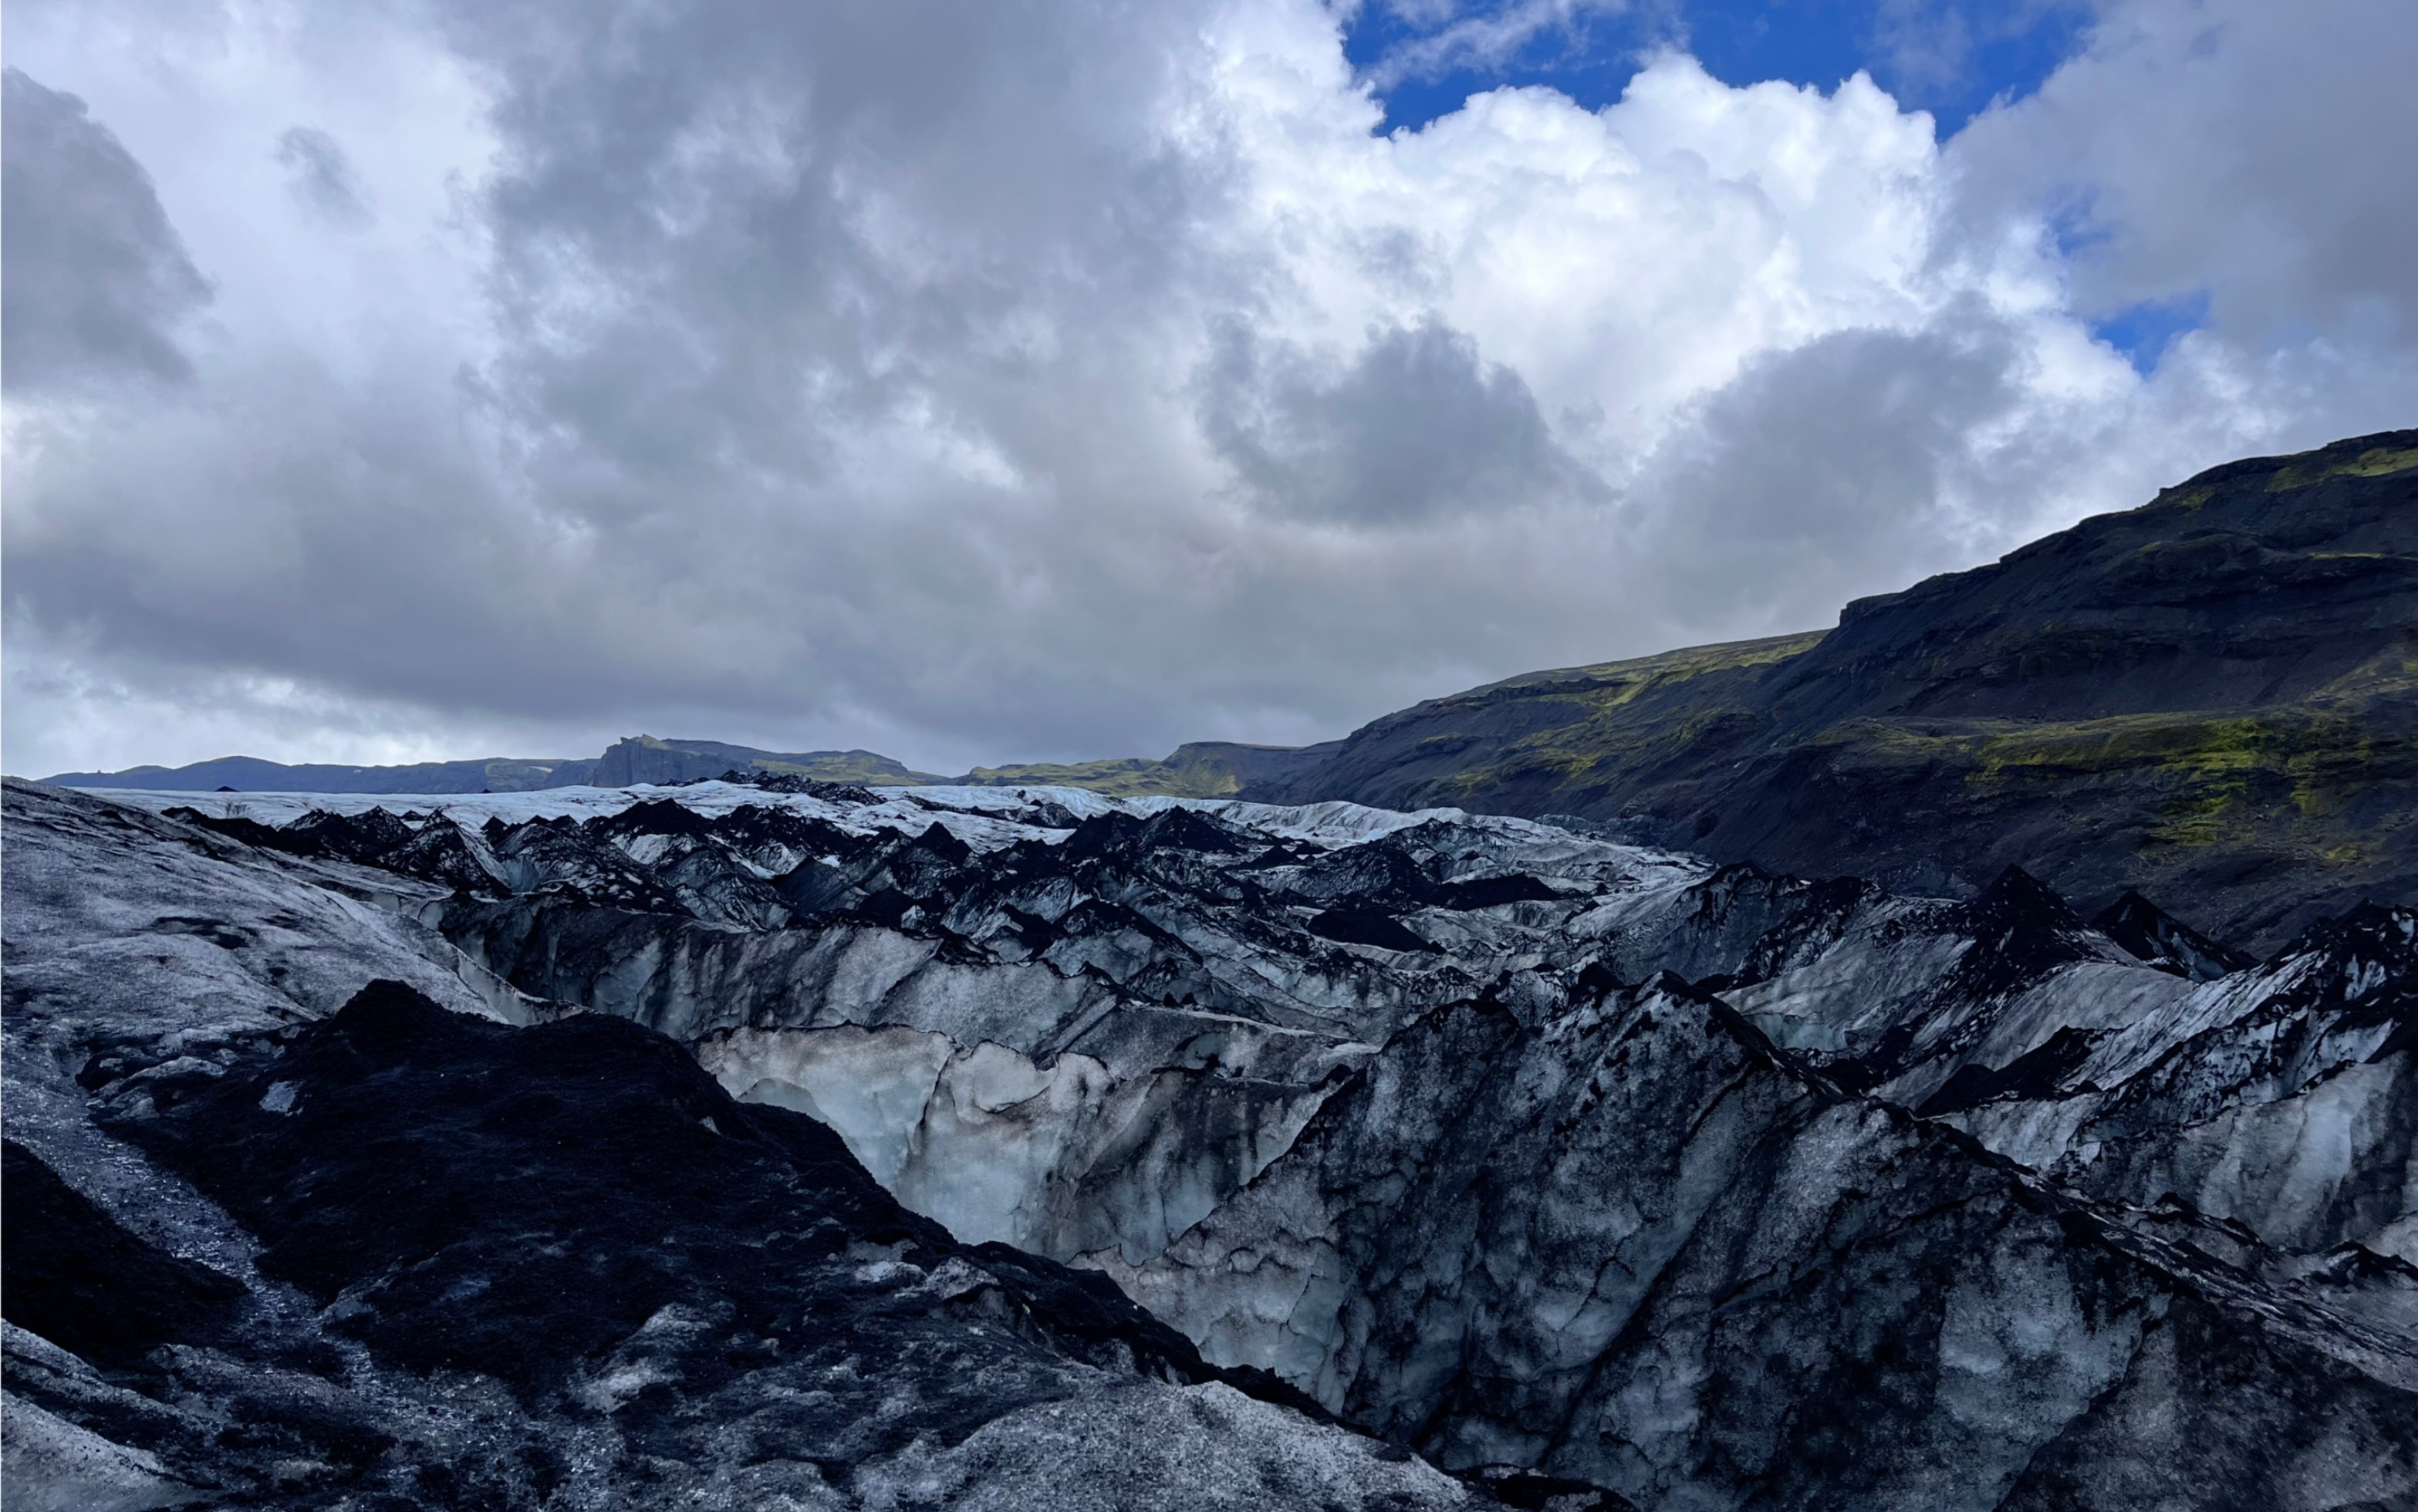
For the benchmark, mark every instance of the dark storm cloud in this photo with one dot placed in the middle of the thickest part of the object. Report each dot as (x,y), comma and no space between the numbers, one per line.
(809,215)
(96,279)
(737,256)
(1832,470)
(1416,427)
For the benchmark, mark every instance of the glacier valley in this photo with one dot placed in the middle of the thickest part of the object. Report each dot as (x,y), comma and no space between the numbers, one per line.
(721,1146)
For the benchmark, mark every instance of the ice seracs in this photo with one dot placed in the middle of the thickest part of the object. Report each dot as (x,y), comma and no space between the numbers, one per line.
(1512,1145)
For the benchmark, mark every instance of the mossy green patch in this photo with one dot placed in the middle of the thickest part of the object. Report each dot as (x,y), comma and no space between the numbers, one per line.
(2198,747)
(1123,778)
(863,773)
(1611,684)
(1579,727)
(2285,777)
(2316,466)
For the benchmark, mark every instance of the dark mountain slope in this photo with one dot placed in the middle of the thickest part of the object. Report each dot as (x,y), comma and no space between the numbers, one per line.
(2213,700)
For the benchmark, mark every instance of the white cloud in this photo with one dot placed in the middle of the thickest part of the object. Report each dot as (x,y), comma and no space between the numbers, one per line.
(1445,37)
(2252,151)
(1031,381)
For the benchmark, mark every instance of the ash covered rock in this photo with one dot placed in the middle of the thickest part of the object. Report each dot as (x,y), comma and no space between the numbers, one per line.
(72,1275)
(558,1266)
(1071,1039)
(790,782)
(2158,938)
(1168,977)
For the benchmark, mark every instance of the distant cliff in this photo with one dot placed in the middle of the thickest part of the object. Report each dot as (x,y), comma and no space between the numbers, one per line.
(1207,769)
(1203,769)
(643,758)
(2213,698)
(639,759)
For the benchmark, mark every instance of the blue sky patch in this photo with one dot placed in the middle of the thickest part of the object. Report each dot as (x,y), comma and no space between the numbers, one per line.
(1951,57)
(2144,332)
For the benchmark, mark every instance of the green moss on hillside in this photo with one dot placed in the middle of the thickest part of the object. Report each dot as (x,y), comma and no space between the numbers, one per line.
(864,773)
(2283,776)
(2376,462)
(1606,685)
(1586,724)
(1212,769)
(1126,777)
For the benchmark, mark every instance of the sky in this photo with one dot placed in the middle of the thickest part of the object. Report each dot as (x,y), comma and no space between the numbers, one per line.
(1017,380)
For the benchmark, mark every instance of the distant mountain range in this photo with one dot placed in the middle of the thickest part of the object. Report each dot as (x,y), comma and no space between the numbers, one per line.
(640,758)
(1206,768)
(2213,698)
(250,774)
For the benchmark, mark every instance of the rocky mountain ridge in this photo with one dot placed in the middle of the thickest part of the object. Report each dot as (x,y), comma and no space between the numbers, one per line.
(2211,699)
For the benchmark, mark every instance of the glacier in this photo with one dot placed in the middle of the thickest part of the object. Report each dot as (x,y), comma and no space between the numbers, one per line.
(1474,1147)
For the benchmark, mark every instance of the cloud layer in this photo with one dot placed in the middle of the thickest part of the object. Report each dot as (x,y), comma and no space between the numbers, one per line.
(96,276)
(1027,381)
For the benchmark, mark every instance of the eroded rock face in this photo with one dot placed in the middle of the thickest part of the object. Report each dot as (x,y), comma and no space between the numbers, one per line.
(1511,1145)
